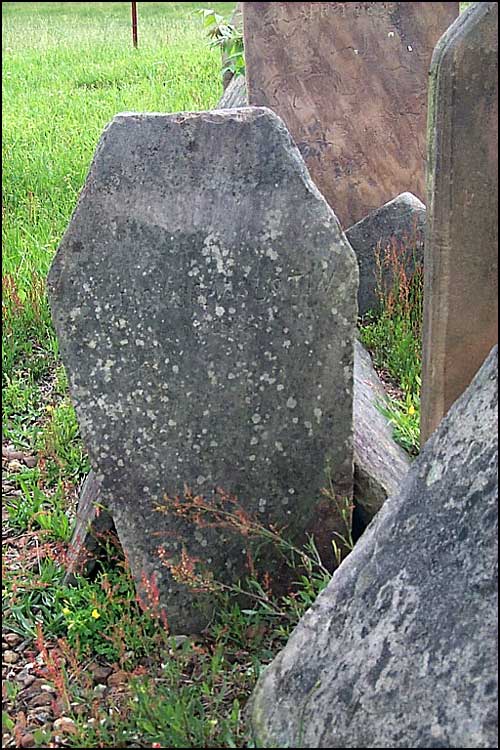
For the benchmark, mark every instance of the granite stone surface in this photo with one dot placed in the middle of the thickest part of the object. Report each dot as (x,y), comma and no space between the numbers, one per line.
(204,298)
(401,649)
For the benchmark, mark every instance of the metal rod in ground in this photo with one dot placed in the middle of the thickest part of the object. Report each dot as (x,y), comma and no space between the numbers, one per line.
(134,24)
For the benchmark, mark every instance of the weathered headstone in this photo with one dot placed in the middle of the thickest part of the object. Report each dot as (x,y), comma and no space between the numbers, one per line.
(93,520)
(205,305)
(401,649)
(389,239)
(461,253)
(350,82)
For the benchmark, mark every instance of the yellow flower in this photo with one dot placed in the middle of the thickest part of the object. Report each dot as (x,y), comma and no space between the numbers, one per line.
(66,611)
(49,407)
(95,614)
(411,410)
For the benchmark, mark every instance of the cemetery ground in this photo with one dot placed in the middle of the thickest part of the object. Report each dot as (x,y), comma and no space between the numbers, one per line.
(85,665)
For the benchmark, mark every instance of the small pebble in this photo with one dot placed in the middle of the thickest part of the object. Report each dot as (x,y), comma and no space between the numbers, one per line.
(42,699)
(65,725)
(27,740)
(12,639)
(10,657)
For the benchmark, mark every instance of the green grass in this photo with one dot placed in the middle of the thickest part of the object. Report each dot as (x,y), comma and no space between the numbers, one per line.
(393,335)
(68,68)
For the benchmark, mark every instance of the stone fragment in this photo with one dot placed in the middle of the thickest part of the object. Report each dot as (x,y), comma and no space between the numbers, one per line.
(400,650)
(93,524)
(461,253)
(204,298)
(65,725)
(380,464)
(235,94)
(12,639)
(27,740)
(387,240)
(41,699)
(118,678)
(10,657)
(350,82)
(100,673)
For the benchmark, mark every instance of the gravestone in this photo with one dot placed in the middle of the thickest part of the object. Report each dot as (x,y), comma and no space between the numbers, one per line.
(401,649)
(204,299)
(389,239)
(350,82)
(461,254)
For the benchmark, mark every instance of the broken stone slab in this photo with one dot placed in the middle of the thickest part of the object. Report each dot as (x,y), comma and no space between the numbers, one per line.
(400,650)
(461,253)
(93,524)
(391,237)
(206,312)
(235,94)
(380,464)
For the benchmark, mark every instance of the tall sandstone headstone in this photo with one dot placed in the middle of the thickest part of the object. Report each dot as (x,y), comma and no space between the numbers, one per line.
(461,248)
(350,82)
(204,298)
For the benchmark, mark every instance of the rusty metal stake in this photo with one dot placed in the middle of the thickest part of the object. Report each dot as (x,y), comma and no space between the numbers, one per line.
(134,24)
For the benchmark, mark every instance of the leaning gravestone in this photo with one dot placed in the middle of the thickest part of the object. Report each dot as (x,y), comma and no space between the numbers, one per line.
(401,649)
(205,307)
(380,464)
(350,82)
(388,241)
(461,253)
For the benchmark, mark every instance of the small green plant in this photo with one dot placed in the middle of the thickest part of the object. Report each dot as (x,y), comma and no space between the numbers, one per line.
(60,443)
(404,415)
(33,509)
(228,38)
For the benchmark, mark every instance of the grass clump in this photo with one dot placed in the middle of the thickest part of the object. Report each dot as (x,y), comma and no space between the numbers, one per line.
(174,691)
(393,334)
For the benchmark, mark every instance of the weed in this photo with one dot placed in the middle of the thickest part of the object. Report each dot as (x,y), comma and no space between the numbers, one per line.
(393,333)
(222,511)
(226,37)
